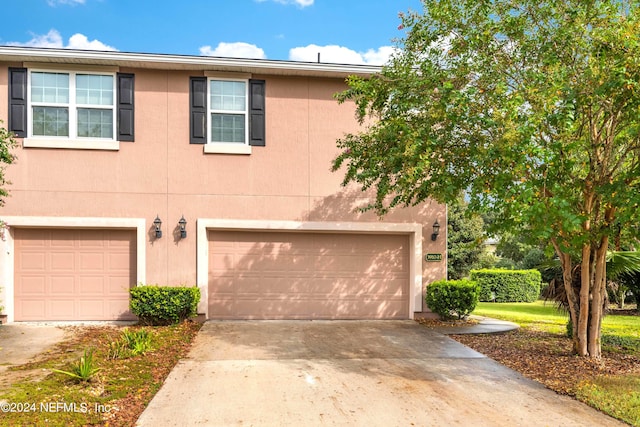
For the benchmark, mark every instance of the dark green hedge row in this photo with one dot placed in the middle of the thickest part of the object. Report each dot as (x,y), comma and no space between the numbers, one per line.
(508,285)
(164,305)
(452,298)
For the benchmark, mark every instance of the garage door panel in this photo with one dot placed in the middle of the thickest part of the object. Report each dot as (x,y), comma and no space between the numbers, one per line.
(31,261)
(62,261)
(92,261)
(115,286)
(32,239)
(30,307)
(119,261)
(34,285)
(82,274)
(93,239)
(344,288)
(60,239)
(273,275)
(89,306)
(62,285)
(60,308)
(92,286)
(224,306)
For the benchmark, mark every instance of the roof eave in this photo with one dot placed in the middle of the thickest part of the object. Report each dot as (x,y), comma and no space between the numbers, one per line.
(183,62)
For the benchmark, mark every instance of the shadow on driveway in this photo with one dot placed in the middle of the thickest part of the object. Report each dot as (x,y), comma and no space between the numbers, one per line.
(374,373)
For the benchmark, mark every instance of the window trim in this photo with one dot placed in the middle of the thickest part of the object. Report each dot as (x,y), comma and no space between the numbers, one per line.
(73,141)
(226,148)
(211,111)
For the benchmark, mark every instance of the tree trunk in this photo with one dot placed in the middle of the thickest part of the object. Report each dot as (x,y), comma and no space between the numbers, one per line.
(622,294)
(597,300)
(582,328)
(572,301)
(585,298)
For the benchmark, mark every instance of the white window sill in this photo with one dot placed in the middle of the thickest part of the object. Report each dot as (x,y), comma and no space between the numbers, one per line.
(215,148)
(74,144)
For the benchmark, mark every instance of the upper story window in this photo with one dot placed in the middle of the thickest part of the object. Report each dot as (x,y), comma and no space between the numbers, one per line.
(227,114)
(72,105)
(71,109)
(228,111)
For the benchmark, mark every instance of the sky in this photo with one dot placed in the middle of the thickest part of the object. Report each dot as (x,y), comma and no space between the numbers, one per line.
(342,31)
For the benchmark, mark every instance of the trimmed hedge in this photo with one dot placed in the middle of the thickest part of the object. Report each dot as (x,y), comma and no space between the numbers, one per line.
(164,305)
(453,298)
(508,285)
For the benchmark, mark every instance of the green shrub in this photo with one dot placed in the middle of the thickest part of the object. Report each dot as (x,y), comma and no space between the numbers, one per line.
(453,298)
(164,305)
(508,285)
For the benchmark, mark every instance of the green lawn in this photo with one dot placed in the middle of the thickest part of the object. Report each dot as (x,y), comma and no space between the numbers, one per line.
(616,395)
(544,316)
(537,315)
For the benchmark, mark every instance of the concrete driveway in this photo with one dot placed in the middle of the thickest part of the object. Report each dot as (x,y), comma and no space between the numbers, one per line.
(350,373)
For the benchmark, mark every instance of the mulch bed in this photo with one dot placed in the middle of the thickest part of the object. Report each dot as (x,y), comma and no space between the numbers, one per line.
(544,357)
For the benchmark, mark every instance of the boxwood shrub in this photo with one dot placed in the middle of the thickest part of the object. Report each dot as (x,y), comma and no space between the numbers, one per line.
(508,285)
(164,305)
(453,298)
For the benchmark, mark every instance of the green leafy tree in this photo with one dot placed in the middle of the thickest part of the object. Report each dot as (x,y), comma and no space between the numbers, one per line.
(465,236)
(513,246)
(532,106)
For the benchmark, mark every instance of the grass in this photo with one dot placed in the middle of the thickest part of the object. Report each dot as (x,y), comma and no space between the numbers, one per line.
(618,396)
(538,315)
(114,396)
(615,395)
(543,316)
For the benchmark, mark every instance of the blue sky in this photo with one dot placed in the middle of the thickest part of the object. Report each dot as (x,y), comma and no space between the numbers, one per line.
(343,31)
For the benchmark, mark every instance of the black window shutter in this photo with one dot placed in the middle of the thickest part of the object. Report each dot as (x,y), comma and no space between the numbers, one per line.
(198,110)
(257,113)
(126,112)
(18,101)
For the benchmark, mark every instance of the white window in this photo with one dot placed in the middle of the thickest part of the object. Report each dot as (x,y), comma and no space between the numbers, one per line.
(72,105)
(228,111)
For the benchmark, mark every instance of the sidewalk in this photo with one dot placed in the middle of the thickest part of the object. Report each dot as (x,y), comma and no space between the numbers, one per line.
(485,325)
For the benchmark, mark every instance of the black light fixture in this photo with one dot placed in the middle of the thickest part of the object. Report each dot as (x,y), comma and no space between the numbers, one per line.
(436,230)
(158,223)
(183,227)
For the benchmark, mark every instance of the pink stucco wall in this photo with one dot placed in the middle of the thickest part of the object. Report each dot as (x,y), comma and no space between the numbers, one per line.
(161,173)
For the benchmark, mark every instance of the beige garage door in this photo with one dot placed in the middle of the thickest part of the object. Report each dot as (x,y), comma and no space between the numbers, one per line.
(265,275)
(73,274)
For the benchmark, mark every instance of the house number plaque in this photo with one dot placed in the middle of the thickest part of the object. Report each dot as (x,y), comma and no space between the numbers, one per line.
(433,257)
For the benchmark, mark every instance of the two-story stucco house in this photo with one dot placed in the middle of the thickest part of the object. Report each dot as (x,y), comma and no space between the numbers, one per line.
(163,169)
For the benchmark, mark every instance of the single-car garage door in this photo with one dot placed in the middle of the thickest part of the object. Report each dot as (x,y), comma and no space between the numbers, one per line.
(64,274)
(295,275)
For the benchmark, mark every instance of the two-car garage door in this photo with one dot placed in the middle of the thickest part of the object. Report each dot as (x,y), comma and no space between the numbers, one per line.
(298,275)
(85,274)
(73,274)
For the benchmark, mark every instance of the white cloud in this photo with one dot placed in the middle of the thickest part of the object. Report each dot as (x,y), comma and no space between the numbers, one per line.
(299,3)
(80,41)
(234,50)
(55,3)
(53,39)
(341,55)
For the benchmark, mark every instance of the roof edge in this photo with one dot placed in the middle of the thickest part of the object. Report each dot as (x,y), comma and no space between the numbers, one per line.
(183,62)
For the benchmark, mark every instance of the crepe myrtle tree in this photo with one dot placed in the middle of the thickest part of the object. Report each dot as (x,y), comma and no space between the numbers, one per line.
(530,106)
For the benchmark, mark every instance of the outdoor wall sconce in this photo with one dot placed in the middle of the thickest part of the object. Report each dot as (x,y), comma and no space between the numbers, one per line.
(436,230)
(157,224)
(183,227)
